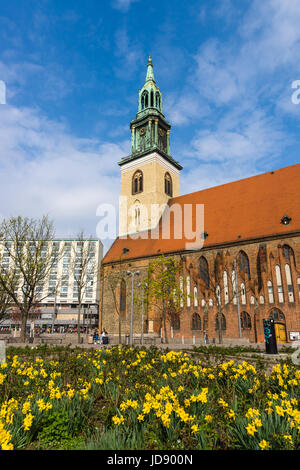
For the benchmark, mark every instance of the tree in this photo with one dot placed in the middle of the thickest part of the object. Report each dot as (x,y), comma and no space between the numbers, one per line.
(82,267)
(30,255)
(117,285)
(163,290)
(5,304)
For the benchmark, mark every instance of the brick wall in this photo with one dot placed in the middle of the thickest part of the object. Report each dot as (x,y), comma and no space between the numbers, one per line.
(263,255)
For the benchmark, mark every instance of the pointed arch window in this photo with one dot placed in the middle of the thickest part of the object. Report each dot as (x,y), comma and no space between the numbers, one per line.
(225,281)
(144,100)
(196,321)
(188,291)
(168,185)
(279,284)
(245,321)
(288,276)
(137,182)
(221,320)
(270,292)
(288,253)
(195,297)
(277,315)
(243,261)
(137,216)
(203,271)
(157,99)
(243,294)
(175,322)
(152,99)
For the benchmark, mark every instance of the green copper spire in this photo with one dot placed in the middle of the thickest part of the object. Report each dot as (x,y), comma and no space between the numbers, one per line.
(150,74)
(149,95)
(150,132)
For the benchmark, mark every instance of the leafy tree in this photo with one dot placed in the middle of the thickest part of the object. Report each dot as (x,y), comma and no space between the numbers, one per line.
(163,290)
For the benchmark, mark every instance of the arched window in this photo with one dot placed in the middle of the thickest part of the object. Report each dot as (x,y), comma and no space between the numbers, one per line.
(288,253)
(225,281)
(195,297)
(157,97)
(203,271)
(223,322)
(245,321)
(137,182)
(123,298)
(188,291)
(270,291)
(277,315)
(196,321)
(175,323)
(218,294)
(137,216)
(243,261)
(279,284)
(234,287)
(152,99)
(289,282)
(181,291)
(168,185)
(243,294)
(144,100)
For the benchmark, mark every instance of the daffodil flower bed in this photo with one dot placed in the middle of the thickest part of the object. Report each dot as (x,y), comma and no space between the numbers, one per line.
(141,398)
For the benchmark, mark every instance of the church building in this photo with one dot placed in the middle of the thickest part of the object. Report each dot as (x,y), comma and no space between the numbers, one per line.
(241,267)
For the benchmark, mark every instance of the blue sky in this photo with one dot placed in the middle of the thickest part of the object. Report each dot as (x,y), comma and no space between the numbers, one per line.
(73,69)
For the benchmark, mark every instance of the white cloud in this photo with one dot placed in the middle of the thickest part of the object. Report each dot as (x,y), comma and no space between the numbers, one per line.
(123,5)
(46,170)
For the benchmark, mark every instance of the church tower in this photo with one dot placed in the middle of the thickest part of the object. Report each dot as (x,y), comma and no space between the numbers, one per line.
(149,175)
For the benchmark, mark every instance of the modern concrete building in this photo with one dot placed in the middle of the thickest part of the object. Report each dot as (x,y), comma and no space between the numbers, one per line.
(57,306)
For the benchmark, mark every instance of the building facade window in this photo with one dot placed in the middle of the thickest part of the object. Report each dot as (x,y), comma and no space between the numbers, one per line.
(137,182)
(243,294)
(243,262)
(195,297)
(245,321)
(203,271)
(289,282)
(277,315)
(279,284)
(288,253)
(221,321)
(270,292)
(196,321)
(188,291)
(225,282)
(175,323)
(168,185)
(234,287)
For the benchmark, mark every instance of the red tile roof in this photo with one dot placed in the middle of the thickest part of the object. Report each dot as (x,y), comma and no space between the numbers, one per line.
(242,210)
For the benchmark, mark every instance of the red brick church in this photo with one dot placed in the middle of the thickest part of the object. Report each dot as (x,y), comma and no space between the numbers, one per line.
(250,243)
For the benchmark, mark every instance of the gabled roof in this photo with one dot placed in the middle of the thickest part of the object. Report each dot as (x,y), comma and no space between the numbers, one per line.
(246,209)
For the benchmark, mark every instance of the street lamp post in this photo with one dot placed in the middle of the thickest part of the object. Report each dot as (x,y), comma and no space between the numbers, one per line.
(54,313)
(132,273)
(143,293)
